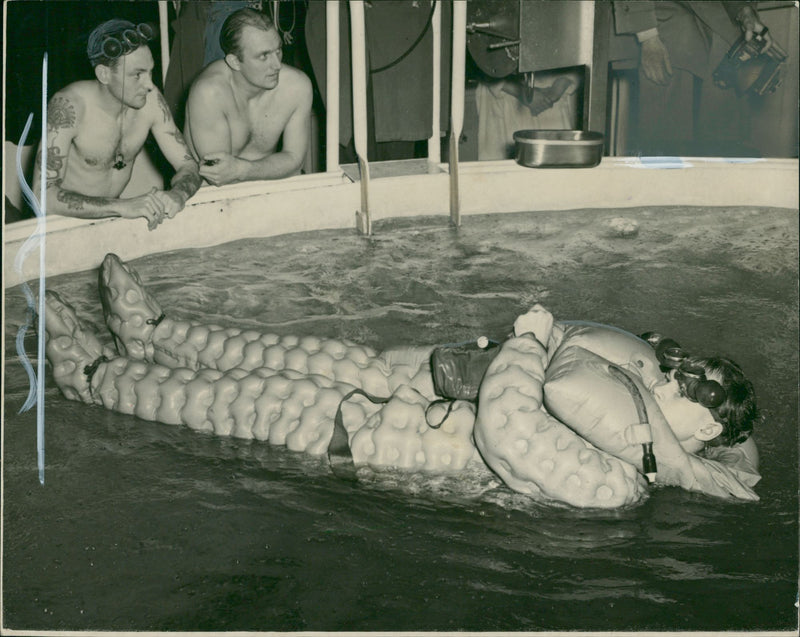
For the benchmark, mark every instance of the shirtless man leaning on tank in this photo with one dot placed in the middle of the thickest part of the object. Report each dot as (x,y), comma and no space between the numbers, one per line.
(96,129)
(248,115)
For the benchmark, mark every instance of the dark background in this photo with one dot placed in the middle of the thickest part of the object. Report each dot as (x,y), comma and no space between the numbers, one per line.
(59,29)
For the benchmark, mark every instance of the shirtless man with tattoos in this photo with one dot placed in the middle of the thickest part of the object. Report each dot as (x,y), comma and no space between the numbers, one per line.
(96,128)
(242,123)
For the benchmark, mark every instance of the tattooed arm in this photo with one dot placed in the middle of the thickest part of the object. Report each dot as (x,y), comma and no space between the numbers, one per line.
(64,116)
(170,140)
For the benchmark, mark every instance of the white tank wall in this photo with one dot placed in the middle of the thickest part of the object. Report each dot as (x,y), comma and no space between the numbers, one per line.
(322,201)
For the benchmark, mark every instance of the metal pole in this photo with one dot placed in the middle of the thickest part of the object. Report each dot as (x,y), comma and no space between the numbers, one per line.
(163,23)
(332,86)
(359,73)
(457,102)
(434,143)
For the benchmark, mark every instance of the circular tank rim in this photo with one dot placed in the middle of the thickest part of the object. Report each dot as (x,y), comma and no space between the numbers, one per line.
(331,201)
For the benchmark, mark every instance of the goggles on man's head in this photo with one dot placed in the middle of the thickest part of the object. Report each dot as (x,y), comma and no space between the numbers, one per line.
(691,377)
(122,41)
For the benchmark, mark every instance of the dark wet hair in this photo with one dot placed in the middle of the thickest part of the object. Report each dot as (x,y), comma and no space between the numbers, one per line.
(738,413)
(230,35)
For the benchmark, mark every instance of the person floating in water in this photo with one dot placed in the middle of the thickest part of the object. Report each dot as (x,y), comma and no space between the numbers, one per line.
(551,418)
(97,128)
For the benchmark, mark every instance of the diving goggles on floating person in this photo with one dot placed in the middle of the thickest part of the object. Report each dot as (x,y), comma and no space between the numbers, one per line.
(691,377)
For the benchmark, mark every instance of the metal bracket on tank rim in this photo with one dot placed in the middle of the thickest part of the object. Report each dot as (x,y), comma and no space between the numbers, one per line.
(363,217)
(455,201)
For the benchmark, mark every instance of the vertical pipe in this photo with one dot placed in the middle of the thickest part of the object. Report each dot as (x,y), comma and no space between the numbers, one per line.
(359,74)
(332,86)
(434,143)
(596,87)
(163,23)
(457,102)
(459,63)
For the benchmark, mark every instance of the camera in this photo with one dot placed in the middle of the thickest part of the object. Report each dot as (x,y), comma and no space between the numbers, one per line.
(748,68)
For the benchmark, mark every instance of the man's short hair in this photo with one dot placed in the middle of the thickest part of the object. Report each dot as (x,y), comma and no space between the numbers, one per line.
(231,34)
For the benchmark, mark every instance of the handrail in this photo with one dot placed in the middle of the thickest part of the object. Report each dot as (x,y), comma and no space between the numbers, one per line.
(358,59)
(359,75)
(435,141)
(457,103)
(332,86)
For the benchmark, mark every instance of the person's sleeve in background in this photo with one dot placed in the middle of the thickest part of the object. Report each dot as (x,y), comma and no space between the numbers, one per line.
(634,16)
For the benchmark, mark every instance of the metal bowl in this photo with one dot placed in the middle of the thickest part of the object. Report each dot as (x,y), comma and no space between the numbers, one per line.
(558,148)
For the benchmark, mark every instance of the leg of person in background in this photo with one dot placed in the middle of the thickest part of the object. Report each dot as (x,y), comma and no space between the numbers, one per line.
(666,116)
(724,123)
